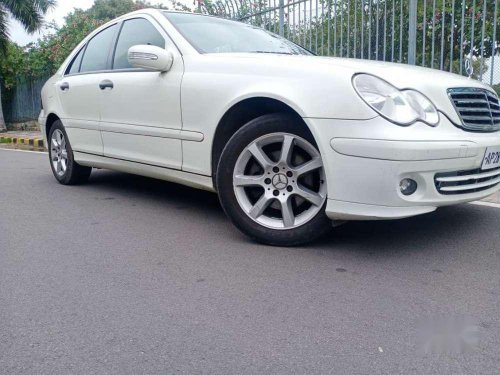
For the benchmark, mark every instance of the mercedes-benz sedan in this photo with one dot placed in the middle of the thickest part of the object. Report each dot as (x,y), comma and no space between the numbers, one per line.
(289,141)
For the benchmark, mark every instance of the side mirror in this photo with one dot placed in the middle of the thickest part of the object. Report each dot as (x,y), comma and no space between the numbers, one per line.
(150,57)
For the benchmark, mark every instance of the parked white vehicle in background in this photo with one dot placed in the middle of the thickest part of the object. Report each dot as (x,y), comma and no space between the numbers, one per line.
(289,141)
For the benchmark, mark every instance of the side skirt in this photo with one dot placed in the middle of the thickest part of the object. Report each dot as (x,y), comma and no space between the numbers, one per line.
(184,178)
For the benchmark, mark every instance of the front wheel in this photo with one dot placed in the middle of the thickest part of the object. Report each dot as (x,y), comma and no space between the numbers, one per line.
(64,167)
(271,182)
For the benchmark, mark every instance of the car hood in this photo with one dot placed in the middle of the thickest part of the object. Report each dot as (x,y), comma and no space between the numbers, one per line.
(431,82)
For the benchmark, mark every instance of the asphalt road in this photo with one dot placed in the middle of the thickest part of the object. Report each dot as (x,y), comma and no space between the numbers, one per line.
(128,275)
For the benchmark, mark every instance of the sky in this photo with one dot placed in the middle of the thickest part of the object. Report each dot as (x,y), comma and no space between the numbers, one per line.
(63,7)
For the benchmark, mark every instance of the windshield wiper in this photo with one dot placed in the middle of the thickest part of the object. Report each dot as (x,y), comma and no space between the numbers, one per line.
(276,52)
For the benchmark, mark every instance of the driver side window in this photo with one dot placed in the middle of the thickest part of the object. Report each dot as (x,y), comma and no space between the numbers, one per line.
(135,31)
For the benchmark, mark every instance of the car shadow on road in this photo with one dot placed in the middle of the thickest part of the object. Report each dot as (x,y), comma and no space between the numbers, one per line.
(447,226)
(162,192)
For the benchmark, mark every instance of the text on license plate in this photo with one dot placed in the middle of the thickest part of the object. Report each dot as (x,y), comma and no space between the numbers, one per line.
(491,158)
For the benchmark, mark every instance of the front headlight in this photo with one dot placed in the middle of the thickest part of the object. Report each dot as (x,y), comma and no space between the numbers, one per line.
(403,107)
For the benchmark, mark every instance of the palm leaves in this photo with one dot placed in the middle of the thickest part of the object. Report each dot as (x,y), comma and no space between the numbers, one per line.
(28,12)
(4,35)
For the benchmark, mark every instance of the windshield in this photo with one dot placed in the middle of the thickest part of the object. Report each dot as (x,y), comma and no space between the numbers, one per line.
(216,35)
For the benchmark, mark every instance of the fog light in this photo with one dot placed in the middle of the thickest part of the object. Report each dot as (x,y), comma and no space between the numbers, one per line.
(408,186)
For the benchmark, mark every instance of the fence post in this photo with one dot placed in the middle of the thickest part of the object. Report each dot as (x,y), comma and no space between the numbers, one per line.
(282,17)
(494,44)
(412,32)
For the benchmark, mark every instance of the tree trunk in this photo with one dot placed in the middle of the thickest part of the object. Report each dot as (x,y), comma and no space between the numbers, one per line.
(3,127)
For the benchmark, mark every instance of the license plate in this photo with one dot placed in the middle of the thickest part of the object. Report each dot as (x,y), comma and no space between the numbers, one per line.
(491,158)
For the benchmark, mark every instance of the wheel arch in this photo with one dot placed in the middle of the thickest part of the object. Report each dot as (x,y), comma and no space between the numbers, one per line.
(51,119)
(243,111)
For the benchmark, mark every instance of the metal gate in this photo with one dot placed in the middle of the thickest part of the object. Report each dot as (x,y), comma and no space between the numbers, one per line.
(449,35)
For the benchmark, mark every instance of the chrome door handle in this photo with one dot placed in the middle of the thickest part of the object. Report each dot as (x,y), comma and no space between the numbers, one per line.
(106,84)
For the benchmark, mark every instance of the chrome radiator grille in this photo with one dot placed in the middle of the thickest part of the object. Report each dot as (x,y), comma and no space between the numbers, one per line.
(465,182)
(478,109)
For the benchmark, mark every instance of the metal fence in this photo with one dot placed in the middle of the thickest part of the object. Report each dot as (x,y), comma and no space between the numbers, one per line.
(22,103)
(442,34)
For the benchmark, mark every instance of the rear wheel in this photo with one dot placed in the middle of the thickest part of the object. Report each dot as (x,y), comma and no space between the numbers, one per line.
(271,182)
(63,165)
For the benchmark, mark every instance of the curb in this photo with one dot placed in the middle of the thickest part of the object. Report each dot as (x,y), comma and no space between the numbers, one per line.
(36,142)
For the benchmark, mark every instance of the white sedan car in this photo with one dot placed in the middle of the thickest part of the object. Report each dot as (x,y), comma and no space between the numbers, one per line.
(289,141)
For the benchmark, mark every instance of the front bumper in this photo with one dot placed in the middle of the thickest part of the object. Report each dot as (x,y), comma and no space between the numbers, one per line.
(366,160)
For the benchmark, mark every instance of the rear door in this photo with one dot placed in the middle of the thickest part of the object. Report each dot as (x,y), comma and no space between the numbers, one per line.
(79,92)
(141,109)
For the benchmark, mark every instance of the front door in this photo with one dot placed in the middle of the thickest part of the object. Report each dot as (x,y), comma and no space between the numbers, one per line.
(140,109)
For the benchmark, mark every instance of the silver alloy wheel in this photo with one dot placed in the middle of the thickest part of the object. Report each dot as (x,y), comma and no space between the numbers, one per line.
(58,152)
(282,201)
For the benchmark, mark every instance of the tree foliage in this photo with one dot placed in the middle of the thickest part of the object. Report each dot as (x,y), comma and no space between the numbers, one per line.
(43,58)
(30,14)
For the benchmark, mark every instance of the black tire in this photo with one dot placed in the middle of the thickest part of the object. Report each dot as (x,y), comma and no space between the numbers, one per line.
(264,125)
(75,173)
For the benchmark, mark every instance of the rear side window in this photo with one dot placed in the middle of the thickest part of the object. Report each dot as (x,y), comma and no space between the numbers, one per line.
(135,31)
(74,67)
(97,51)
